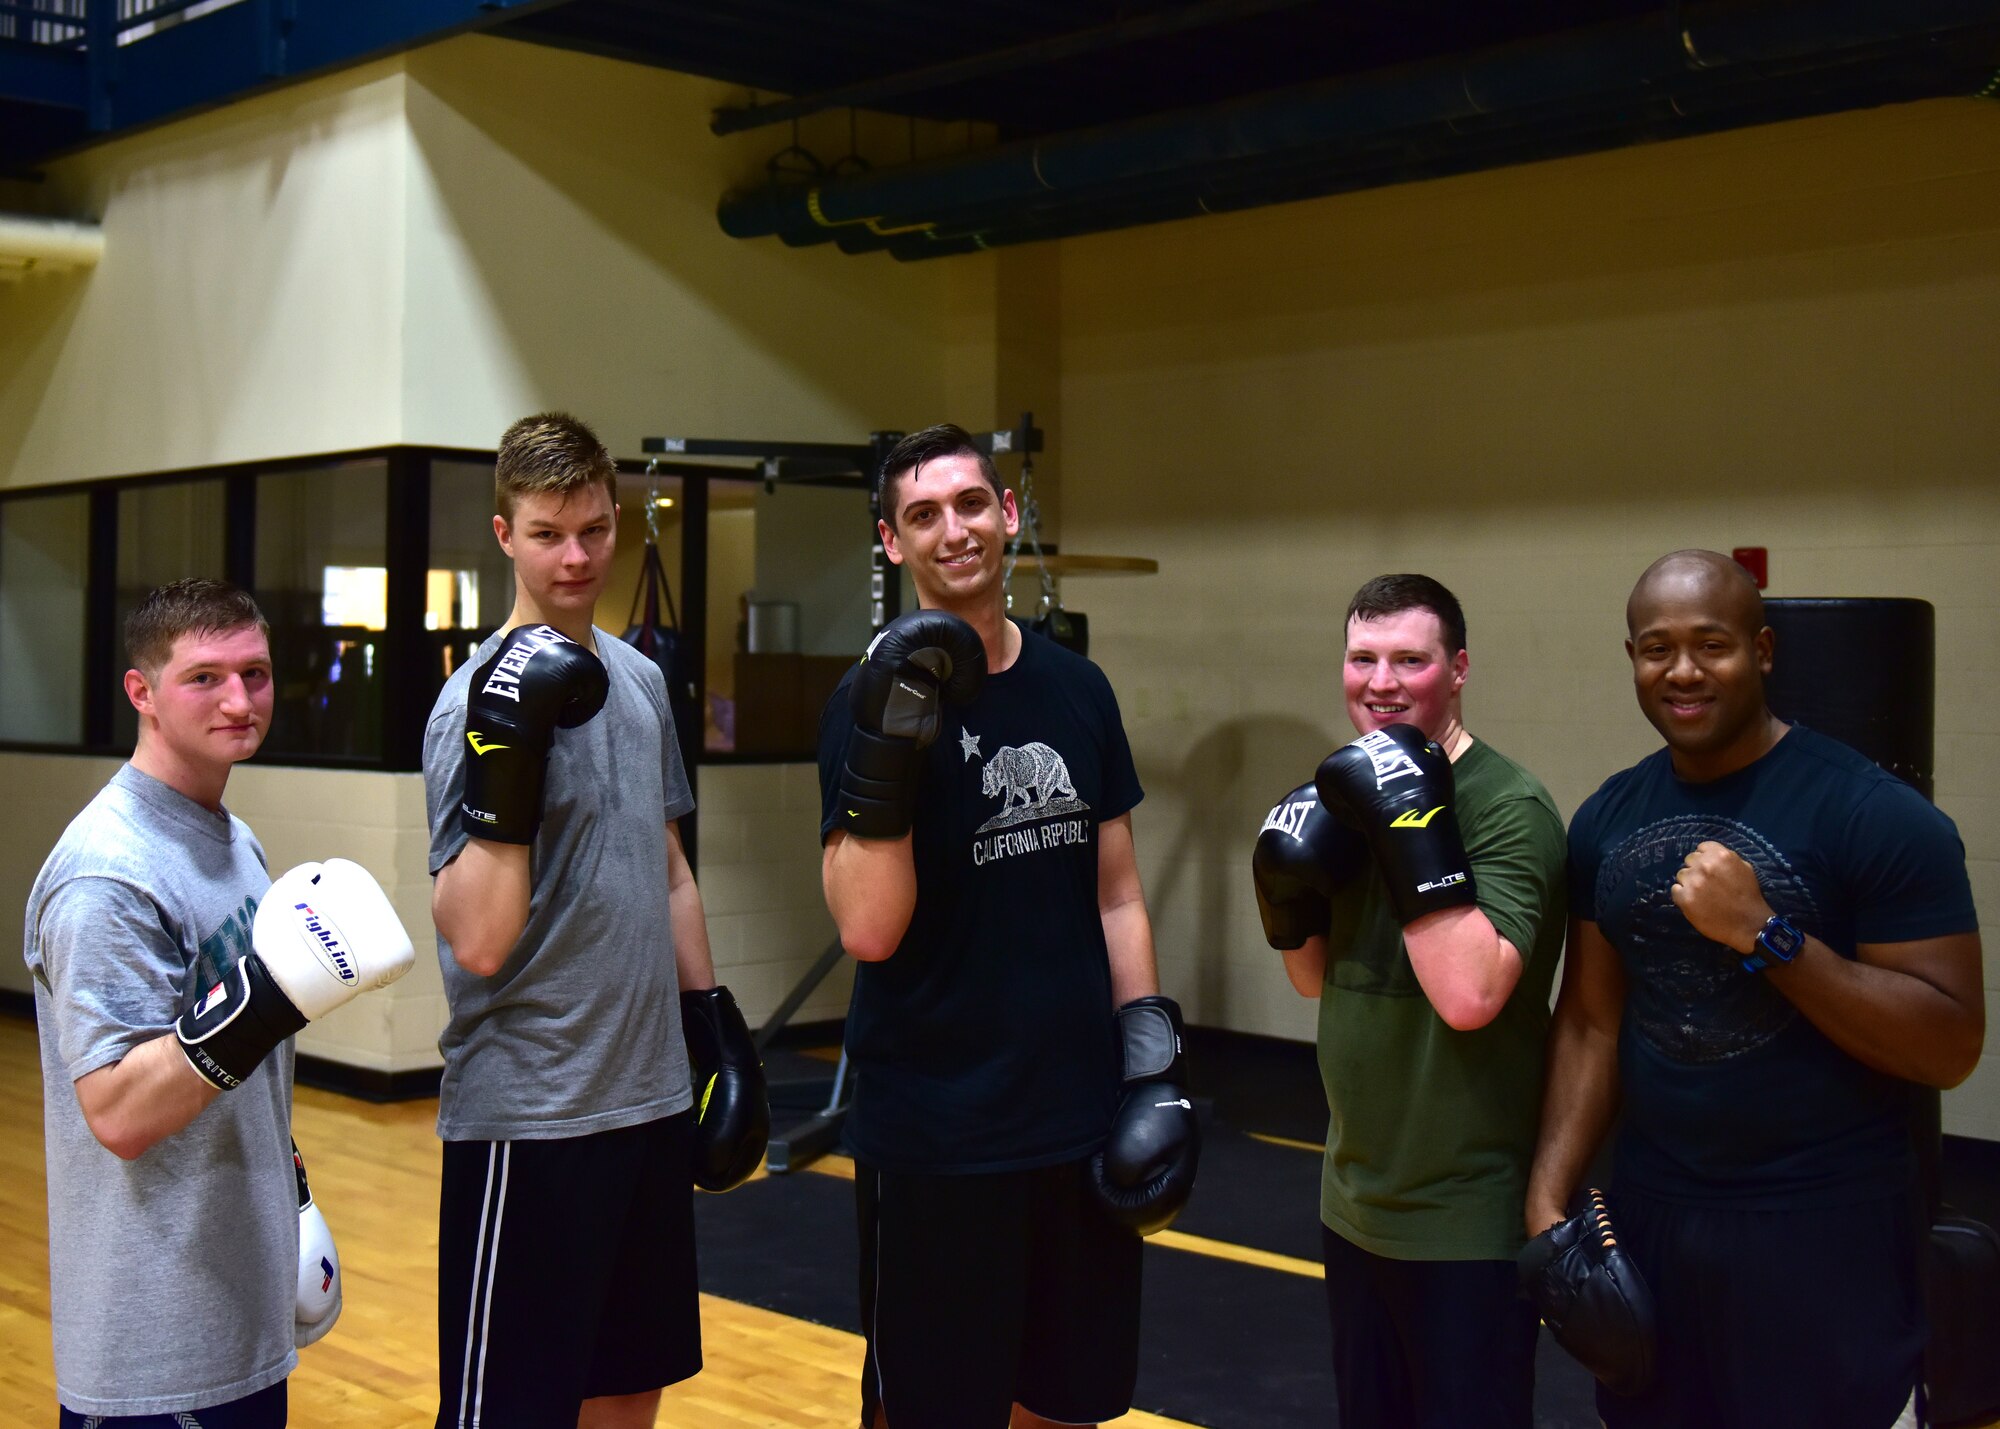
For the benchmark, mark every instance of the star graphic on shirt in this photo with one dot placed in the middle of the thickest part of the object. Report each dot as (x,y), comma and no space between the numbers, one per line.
(968,744)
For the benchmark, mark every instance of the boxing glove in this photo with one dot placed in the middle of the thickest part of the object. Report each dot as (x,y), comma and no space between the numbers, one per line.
(538,681)
(1394,785)
(732,1104)
(318,1303)
(1146,1169)
(1303,857)
(324,934)
(915,665)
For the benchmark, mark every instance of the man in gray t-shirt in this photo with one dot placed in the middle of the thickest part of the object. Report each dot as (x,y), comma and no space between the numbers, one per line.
(164,1015)
(576,964)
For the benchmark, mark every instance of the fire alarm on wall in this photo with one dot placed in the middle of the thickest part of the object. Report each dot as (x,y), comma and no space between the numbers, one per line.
(1757,561)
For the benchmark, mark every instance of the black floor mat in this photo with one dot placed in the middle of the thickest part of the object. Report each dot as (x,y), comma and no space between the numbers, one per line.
(1223,1344)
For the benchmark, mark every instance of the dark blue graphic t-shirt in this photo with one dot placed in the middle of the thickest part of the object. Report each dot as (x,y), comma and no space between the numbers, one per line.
(986,1042)
(1730,1093)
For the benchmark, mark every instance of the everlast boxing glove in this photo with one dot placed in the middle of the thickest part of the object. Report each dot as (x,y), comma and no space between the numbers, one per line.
(319,1266)
(324,934)
(1146,1169)
(1303,857)
(1395,787)
(539,680)
(915,665)
(732,1105)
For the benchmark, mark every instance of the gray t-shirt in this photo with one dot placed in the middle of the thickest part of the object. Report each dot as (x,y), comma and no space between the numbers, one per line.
(173,1276)
(580,1029)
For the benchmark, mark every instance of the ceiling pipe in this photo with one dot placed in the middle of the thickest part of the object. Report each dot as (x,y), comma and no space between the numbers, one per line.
(29,243)
(1622,61)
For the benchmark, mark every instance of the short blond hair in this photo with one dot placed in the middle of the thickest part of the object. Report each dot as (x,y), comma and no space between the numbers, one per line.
(550,453)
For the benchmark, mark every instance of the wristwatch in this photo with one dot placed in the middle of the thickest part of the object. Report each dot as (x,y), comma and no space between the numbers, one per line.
(1779,941)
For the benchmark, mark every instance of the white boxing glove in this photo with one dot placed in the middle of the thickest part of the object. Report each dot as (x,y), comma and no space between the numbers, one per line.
(319,1266)
(323,934)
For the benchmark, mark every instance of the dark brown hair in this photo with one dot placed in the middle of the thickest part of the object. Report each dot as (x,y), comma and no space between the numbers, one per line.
(1392,595)
(193,606)
(930,444)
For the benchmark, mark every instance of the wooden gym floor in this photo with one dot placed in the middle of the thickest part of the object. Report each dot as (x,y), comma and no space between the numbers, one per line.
(375,1170)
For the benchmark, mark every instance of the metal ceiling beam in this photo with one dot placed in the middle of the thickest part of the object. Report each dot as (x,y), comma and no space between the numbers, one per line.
(1591,68)
(872,92)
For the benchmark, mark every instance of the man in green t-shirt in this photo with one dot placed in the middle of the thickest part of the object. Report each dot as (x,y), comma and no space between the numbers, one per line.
(1416,890)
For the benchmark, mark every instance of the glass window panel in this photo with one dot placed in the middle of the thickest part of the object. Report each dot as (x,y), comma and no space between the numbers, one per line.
(44,565)
(322,579)
(166,532)
(470,583)
(801,623)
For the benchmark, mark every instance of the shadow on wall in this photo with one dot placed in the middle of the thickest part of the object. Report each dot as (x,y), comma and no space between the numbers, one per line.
(580,194)
(1227,782)
(37,316)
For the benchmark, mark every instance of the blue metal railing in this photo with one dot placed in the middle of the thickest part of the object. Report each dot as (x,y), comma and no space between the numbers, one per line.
(66,22)
(42,22)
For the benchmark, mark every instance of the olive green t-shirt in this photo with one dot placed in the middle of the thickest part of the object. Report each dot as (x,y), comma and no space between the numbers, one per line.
(1431,1131)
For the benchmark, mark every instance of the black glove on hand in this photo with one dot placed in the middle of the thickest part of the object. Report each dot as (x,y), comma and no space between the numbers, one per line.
(912,667)
(1395,786)
(1592,1298)
(1146,1169)
(1304,856)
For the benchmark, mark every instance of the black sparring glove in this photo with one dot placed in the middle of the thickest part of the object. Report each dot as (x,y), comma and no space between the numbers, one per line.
(912,667)
(1395,786)
(1304,856)
(539,680)
(1146,1169)
(1592,1298)
(732,1104)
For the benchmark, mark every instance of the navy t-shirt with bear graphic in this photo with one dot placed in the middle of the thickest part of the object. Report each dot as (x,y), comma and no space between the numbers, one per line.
(1730,1093)
(986,1042)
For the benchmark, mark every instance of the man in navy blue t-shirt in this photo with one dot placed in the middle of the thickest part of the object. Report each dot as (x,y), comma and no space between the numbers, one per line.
(1771,941)
(976,828)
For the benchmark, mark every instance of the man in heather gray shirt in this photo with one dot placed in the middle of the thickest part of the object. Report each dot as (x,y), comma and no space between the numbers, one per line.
(575,961)
(165,1006)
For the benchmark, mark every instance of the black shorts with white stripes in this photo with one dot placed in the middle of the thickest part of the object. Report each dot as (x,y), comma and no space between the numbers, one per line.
(566,1271)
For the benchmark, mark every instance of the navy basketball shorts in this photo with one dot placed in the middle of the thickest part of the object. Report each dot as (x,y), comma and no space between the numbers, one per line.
(566,1271)
(1777,1319)
(263,1410)
(981,1291)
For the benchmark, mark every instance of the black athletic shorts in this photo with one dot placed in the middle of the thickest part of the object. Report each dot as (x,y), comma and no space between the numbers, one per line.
(980,1291)
(566,1271)
(1792,1319)
(263,1410)
(1428,1344)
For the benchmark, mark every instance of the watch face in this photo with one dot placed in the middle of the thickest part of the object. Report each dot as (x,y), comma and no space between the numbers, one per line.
(1781,940)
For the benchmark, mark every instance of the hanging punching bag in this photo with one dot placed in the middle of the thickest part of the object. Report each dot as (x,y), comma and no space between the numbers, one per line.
(1862,671)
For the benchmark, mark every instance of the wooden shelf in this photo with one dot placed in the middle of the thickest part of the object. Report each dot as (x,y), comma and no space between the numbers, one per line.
(1068,565)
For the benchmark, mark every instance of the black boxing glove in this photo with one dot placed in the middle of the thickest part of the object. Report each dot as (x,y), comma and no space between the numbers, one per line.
(732,1104)
(1593,1298)
(913,666)
(1303,857)
(539,680)
(1394,785)
(1146,1169)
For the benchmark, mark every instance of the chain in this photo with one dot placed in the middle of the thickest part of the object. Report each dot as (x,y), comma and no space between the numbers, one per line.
(1031,524)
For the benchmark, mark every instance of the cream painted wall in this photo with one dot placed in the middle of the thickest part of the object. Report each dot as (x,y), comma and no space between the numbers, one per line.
(249,301)
(1529,383)
(563,250)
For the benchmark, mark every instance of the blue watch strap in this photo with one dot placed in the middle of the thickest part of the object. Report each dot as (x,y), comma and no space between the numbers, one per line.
(1778,941)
